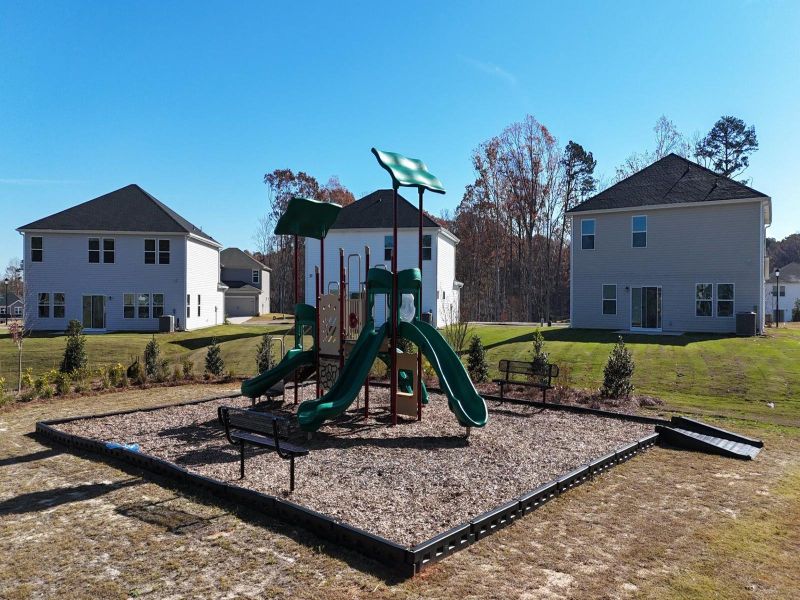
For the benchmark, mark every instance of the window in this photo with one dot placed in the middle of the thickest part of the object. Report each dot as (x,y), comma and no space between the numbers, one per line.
(108,251)
(724,299)
(702,300)
(2,310)
(17,310)
(163,252)
(149,252)
(610,299)
(44,306)
(94,250)
(188,306)
(256,276)
(37,249)
(388,242)
(128,306)
(158,305)
(639,231)
(58,305)
(587,234)
(198,305)
(775,290)
(427,248)
(143,306)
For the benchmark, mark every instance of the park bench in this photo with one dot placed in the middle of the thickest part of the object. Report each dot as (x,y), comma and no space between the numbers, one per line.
(262,430)
(537,377)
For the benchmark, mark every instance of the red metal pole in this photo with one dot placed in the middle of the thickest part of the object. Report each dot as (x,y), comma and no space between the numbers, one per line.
(419,313)
(296,301)
(365,318)
(316,345)
(342,292)
(393,345)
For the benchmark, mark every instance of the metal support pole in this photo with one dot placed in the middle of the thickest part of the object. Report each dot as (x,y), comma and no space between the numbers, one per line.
(365,319)
(342,293)
(241,460)
(393,345)
(316,324)
(296,301)
(291,474)
(419,313)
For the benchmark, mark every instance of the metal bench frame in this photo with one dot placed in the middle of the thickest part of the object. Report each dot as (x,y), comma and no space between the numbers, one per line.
(508,368)
(259,430)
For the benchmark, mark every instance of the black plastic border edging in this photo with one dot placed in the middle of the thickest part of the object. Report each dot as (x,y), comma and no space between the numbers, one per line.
(404,561)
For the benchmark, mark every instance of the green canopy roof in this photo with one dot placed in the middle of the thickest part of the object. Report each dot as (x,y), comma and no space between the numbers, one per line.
(408,172)
(307,218)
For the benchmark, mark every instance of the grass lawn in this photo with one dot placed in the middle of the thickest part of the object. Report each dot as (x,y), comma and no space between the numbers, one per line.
(699,372)
(44,351)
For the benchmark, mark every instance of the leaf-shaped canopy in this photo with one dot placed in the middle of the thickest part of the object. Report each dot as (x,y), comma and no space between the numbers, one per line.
(408,172)
(307,218)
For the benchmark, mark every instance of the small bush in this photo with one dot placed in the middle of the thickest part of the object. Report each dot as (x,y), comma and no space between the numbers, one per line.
(5,397)
(136,373)
(116,375)
(103,378)
(46,391)
(428,372)
(618,372)
(162,371)
(476,361)
(187,366)
(152,353)
(63,384)
(540,358)
(75,351)
(215,365)
(378,370)
(264,360)
(27,379)
(796,310)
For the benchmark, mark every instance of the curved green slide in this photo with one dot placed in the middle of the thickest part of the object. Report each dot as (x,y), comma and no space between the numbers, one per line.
(463,399)
(311,414)
(295,358)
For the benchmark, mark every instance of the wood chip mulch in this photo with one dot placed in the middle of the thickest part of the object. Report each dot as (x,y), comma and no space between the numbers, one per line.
(405,483)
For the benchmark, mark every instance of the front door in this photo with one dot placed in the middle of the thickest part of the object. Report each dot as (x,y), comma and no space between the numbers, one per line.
(646,308)
(94,312)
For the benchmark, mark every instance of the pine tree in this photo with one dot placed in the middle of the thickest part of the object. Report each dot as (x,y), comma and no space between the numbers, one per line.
(476,361)
(75,352)
(618,372)
(214,363)
(540,358)
(151,354)
(264,360)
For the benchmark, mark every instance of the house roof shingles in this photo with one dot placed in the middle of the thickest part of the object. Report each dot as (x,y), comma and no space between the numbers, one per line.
(128,209)
(235,258)
(789,273)
(670,180)
(374,211)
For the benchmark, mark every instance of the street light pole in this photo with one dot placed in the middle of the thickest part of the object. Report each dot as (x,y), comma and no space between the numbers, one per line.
(6,298)
(777,297)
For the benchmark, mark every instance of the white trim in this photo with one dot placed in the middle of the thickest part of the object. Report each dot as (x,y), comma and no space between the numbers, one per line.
(696,300)
(633,231)
(603,300)
(593,234)
(639,207)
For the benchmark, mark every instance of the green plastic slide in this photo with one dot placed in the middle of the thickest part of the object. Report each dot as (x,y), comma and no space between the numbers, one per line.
(296,358)
(463,399)
(311,414)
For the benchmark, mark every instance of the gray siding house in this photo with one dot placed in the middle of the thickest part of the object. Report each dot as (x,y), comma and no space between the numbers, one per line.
(119,262)
(247,280)
(674,247)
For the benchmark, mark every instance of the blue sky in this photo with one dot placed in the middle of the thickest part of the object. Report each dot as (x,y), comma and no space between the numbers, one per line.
(196,101)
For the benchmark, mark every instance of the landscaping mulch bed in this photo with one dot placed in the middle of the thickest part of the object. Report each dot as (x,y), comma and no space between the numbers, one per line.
(405,483)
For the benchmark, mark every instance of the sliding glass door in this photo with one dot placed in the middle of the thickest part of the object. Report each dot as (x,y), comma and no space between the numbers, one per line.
(94,312)
(646,308)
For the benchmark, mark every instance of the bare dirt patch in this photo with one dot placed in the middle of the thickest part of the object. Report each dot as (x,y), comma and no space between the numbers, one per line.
(405,483)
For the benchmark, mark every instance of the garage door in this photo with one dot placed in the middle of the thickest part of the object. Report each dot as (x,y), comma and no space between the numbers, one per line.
(240,306)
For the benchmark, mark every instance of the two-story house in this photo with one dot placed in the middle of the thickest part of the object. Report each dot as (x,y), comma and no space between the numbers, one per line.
(782,293)
(119,262)
(247,280)
(674,247)
(367,222)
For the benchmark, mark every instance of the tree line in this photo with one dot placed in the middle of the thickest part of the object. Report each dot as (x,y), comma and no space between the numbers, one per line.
(512,219)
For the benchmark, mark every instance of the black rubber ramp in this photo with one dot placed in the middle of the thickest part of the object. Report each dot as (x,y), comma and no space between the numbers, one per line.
(694,435)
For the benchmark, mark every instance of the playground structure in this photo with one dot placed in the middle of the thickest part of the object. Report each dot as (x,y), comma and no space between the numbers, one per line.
(345,341)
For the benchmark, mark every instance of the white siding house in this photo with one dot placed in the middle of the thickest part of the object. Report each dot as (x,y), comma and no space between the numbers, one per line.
(674,247)
(367,223)
(247,281)
(782,295)
(117,263)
